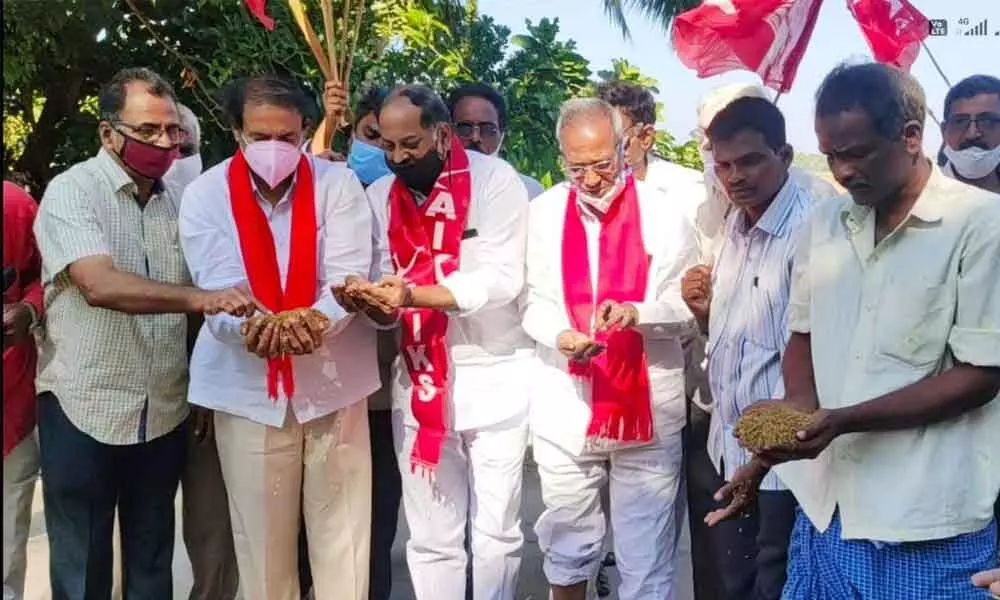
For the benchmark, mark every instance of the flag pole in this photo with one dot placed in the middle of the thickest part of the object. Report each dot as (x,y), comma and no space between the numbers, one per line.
(777,97)
(930,55)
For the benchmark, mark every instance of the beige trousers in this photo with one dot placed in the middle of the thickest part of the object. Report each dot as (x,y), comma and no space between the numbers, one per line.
(20,470)
(324,466)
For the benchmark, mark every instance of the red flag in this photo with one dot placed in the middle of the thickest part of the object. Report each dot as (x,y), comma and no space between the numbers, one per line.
(258,8)
(768,37)
(893,28)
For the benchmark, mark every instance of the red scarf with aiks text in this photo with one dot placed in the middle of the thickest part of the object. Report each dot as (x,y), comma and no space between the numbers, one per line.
(425,245)
(621,410)
(260,258)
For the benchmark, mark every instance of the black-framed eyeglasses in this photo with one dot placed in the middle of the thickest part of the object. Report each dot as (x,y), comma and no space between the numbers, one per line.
(987,123)
(148,132)
(486,130)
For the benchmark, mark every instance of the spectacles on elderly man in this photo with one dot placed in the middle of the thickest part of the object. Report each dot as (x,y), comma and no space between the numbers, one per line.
(987,123)
(605,169)
(149,132)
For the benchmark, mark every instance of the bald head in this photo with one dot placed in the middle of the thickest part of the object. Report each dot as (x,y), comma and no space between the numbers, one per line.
(189,123)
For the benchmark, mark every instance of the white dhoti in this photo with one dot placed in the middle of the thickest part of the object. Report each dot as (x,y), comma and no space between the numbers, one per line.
(644,484)
(477,482)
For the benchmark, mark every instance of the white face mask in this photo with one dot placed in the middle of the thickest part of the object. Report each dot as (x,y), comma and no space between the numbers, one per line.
(603,202)
(973,163)
(183,171)
(499,146)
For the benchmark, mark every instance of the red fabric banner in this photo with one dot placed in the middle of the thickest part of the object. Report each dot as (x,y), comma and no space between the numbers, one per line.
(768,37)
(258,8)
(893,29)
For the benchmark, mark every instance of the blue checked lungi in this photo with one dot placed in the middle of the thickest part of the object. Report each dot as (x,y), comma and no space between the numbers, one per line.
(822,566)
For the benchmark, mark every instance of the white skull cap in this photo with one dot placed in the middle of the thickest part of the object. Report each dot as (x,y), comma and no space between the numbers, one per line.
(721,97)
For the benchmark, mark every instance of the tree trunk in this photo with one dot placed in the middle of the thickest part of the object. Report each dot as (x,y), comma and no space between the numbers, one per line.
(62,99)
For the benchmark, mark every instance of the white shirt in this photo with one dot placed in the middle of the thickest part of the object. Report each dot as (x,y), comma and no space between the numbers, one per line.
(490,353)
(748,324)
(560,408)
(685,187)
(225,376)
(884,317)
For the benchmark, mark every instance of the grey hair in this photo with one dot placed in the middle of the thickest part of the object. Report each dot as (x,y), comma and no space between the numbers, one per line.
(190,124)
(575,109)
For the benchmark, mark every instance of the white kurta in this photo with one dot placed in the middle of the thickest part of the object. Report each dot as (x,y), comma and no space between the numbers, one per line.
(478,479)
(560,410)
(644,481)
(487,345)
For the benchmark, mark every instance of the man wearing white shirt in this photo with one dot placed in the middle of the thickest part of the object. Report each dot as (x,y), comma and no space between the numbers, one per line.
(895,345)
(605,259)
(291,429)
(188,165)
(456,224)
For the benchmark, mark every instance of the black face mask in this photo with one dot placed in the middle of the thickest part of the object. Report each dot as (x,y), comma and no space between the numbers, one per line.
(419,173)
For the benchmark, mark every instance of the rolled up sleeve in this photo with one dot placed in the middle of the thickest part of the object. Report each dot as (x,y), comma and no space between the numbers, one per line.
(666,312)
(499,247)
(975,335)
(67,227)
(800,292)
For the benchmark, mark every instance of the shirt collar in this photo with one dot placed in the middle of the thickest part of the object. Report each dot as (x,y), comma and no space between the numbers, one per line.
(774,221)
(118,177)
(927,209)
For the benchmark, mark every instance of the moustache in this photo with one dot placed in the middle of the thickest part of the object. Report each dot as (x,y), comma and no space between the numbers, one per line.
(981,144)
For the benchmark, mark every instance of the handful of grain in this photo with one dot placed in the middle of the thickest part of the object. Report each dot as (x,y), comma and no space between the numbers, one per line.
(771,425)
(315,322)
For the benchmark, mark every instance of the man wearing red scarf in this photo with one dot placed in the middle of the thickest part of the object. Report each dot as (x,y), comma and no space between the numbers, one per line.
(291,426)
(605,259)
(457,224)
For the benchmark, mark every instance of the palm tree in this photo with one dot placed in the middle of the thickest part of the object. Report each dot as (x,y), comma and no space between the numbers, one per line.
(659,12)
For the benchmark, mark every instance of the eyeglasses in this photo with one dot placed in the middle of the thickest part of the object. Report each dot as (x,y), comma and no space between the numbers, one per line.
(486,130)
(150,133)
(987,123)
(603,169)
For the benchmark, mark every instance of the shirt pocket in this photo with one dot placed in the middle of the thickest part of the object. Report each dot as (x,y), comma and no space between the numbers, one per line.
(763,322)
(914,329)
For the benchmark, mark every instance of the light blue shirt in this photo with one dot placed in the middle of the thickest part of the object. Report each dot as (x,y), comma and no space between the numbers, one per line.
(747,330)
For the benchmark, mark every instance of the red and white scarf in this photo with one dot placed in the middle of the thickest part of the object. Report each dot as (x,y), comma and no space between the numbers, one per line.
(424,243)
(621,411)
(261,260)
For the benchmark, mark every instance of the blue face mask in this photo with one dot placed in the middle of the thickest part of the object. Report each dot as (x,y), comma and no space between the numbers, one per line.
(367,161)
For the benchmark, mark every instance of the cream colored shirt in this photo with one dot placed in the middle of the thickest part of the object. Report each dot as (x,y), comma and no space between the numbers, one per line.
(120,378)
(887,316)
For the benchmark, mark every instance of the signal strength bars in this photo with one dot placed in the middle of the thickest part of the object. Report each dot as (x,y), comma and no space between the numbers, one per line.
(980,29)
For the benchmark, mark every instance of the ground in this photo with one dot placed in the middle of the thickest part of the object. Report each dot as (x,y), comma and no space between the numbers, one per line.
(532,582)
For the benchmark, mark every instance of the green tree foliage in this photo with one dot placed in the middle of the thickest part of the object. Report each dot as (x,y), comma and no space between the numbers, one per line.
(55,60)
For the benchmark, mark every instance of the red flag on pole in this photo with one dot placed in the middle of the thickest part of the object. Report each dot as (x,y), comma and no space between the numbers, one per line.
(768,37)
(257,8)
(893,29)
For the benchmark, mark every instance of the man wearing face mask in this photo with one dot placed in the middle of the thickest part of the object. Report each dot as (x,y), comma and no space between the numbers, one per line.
(114,370)
(290,425)
(971,132)
(456,224)
(605,259)
(480,117)
(188,165)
